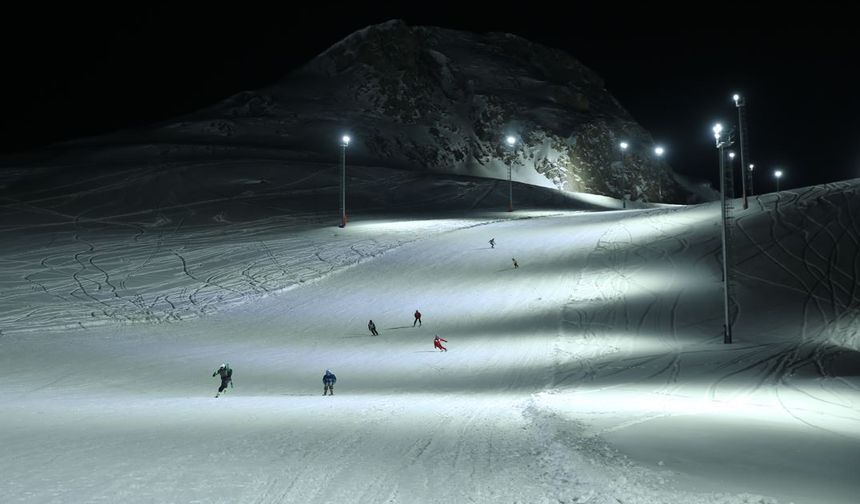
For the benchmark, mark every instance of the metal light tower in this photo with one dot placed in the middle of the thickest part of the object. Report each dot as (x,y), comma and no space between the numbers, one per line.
(732,161)
(778,175)
(739,104)
(659,151)
(344,142)
(752,191)
(623,146)
(721,145)
(511,141)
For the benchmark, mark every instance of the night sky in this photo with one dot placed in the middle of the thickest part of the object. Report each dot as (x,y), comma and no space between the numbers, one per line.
(79,71)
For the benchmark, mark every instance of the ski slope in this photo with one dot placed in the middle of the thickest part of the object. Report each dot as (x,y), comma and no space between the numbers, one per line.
(594,372)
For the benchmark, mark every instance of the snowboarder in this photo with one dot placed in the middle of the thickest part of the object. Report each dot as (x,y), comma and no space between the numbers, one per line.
(437,342)
(226,377)
(515,263)
(492,243)
(372,327)
(417,319)
(329,379)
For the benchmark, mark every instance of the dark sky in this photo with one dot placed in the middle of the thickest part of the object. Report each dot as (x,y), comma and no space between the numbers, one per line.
(78,71)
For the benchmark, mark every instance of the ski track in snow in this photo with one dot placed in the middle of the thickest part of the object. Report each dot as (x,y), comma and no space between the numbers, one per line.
(611,324)
(215,276)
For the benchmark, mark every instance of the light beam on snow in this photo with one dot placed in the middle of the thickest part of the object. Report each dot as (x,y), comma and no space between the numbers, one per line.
(792,409)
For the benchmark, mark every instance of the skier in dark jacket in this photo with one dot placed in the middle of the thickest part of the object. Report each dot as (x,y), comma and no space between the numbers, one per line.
(372,327)
(329,379)
(417,319)
(492,243)
(226,377)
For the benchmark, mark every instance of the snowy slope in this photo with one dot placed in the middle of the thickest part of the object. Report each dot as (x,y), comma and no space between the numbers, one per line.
(595,372)
(139,243)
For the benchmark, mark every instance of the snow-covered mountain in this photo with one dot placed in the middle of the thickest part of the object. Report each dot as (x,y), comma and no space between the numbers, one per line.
(425,100)
(440,100)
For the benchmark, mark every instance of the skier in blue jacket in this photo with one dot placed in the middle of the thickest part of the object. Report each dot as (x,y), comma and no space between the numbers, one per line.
(329,379)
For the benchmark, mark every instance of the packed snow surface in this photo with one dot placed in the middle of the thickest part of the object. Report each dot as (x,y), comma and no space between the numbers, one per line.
(594,372)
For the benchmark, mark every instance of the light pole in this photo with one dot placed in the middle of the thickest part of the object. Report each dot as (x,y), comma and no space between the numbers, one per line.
(752,191)
(344,142)
(732,168)
(739,104)
(658,151)
(623,146)
(511,141)
(721,145)
(778,175)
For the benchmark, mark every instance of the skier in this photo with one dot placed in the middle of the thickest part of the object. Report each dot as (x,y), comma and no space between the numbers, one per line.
(492,243)
(226,377)
(438,343)
(515,263)
(417,319)
(372,327)
(329,379)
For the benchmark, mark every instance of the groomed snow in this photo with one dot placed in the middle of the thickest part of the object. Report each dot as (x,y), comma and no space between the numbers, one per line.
(595,372)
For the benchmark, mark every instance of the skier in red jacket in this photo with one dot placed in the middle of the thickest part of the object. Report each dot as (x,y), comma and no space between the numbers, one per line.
(437,342)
